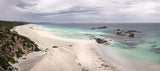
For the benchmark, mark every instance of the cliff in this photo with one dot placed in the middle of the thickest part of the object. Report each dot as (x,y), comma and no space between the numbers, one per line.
(13,45)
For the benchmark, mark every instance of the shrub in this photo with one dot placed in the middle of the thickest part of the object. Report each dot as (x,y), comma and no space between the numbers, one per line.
(19,53)
(10,58)
(27,39)
(2,35)
(4,62)
(9,25)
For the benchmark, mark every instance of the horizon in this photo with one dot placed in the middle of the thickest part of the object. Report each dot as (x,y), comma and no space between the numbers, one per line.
(82,22)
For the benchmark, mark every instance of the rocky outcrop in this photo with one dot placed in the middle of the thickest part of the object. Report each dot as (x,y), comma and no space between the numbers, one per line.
(120,34)
(13,45)
(102,27)
(129,33)
(70,45)
(132,31)
(118,29)
(100,41)
(93,28)
(36,48)
(54,46)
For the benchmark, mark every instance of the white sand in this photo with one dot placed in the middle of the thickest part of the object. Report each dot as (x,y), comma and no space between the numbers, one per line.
(81,56)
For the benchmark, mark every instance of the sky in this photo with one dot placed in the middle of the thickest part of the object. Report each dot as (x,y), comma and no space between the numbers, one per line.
(81,11)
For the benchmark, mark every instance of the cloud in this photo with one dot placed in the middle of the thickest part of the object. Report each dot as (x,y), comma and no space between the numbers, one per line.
(24,5)
(71,10)
(81,11)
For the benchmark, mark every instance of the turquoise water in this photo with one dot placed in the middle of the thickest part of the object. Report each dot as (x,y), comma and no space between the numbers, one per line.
(71,32)
(141,53)
(142,56)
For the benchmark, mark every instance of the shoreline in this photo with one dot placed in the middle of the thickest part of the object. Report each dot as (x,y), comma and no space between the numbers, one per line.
(71,54)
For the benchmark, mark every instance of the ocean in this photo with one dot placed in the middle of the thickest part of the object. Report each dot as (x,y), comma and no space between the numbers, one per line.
(138,53)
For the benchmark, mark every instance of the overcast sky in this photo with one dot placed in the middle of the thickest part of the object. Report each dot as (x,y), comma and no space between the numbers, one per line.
(79,11)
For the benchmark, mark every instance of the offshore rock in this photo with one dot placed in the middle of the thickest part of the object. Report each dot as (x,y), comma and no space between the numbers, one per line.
(100,41)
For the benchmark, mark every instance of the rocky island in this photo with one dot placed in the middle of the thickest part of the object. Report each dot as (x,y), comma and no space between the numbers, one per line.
(102,27)
(129,33)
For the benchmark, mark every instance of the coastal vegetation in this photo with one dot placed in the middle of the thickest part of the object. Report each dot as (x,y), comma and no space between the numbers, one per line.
(13,45)
(9,24)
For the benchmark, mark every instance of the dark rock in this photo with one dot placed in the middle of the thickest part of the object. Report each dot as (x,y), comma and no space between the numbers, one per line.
(132,31)
(15,68)
(84,69)
(87,34)
(103,27)
(103,35)
(156,50)
(54,46)
(118,30)
(37,49)
(46,49)
(120,34)
(79,64)
(154,45)
(131,35)
(101,41)
(70,45)
(92,28)
(23,58)
(104,65)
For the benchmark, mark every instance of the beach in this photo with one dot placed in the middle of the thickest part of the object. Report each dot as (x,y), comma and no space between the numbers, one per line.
(69,55)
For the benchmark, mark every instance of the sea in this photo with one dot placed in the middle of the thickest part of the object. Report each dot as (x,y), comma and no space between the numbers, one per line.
(138,53)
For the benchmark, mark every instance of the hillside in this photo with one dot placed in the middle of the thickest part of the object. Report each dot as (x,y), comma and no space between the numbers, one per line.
(13,45)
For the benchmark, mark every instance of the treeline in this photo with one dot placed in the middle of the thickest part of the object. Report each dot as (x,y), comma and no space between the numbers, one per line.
(11,24)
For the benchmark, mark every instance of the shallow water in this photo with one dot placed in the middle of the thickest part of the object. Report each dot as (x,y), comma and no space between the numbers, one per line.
(139,57)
